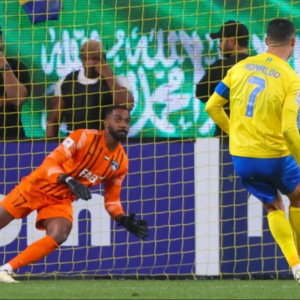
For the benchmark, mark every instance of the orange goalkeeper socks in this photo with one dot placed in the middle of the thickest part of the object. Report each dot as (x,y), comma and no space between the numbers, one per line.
(34,252)
(283,234)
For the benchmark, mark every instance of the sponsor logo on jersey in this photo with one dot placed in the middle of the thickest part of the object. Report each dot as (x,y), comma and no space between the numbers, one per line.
(68,142)
(92,178)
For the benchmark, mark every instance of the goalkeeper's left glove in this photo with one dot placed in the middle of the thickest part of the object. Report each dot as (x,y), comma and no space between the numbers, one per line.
(138,227)
(77,187)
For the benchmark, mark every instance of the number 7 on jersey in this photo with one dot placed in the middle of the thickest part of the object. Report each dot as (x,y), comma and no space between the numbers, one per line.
(261,85)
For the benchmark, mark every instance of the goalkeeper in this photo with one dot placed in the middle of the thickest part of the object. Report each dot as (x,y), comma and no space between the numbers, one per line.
(84,159)
(264,96)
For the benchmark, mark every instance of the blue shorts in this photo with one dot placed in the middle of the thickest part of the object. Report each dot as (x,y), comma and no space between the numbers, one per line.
(263,177)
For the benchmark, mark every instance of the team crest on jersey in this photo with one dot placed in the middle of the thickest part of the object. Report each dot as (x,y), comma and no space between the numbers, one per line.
(114,165)
(298,98)
(68,142)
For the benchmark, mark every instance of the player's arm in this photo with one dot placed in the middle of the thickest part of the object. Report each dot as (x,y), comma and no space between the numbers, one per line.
(214,106)
(54,120)
(58,106)
(52,164)
(121,95)
(289,121)
(114,207)
(16,83)
(202,88)
(206,86)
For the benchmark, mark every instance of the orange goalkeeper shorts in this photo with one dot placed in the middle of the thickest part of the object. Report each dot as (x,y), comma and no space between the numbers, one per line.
(20,204)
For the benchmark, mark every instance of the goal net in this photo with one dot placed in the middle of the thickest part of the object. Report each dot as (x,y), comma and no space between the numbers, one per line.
(181,178)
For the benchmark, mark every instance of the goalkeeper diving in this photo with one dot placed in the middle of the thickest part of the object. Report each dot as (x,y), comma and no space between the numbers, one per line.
(84,159)
(264,96)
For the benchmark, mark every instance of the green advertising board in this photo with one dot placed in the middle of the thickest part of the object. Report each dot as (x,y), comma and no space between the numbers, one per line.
(162,47)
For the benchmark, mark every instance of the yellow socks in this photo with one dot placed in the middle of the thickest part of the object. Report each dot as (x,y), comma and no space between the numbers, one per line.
(295,222)
(283,234)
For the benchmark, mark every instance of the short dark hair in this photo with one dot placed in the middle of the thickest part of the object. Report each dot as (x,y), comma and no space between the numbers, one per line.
(0,31)
(110,109)
(280,31)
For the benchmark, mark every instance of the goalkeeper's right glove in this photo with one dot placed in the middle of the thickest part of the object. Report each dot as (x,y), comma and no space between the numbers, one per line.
(138,227)
(77,188)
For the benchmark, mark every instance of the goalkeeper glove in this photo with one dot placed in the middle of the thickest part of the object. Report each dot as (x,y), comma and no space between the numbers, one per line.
(77,188)
(138,227)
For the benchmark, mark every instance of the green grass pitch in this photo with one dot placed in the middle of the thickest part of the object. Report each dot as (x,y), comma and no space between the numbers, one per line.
(151,289)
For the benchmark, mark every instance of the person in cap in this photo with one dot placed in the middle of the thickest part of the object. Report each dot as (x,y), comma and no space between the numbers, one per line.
(234,38)
(233,43)
(81,98)
(15,87)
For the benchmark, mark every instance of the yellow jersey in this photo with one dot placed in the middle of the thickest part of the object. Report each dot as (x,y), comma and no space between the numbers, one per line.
(259,88)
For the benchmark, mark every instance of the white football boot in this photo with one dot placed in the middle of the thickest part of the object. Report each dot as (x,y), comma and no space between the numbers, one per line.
(6,276)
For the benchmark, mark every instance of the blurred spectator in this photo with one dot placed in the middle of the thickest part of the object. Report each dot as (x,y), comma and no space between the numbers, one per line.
(83,95)
(14,89)
(234,38)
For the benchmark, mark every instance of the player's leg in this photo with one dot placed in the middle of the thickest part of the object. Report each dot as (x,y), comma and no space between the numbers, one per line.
(57,231)
(13,206)
(5,217)
(256,175)
(282,232)
(289,184)
(56,218)
(294,214)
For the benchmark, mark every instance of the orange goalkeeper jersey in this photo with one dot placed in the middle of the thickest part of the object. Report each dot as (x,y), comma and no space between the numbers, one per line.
(84,156)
